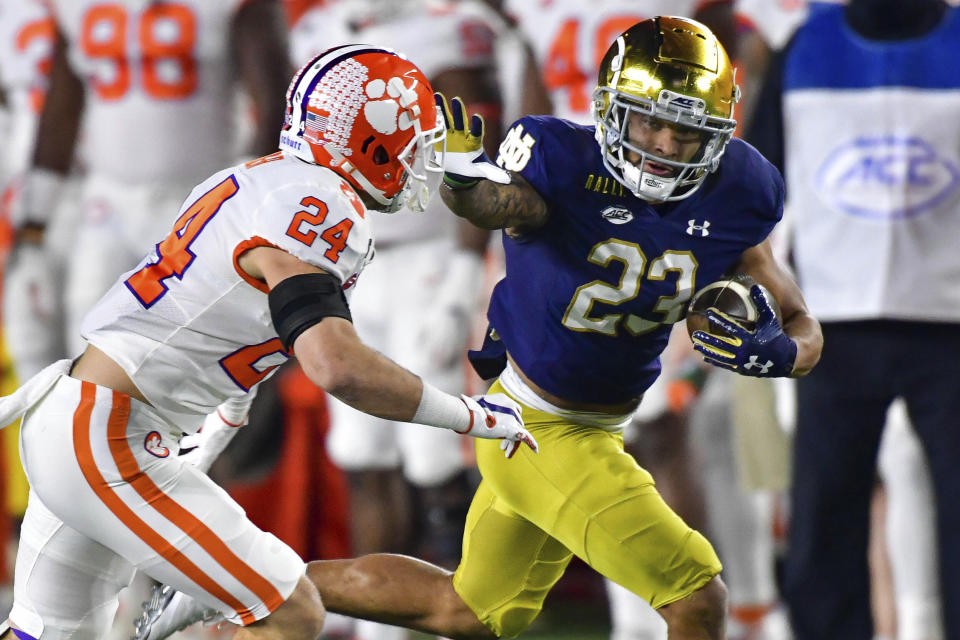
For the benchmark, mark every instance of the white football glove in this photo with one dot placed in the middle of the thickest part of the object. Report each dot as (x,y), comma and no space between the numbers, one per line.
(496,415)
(444,337)
(200,449)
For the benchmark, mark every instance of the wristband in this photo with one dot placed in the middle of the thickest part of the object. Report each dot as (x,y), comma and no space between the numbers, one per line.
(457,182)
(439,409)
(235,410)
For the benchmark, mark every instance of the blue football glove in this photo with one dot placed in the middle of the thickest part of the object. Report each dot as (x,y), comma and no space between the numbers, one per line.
(465,161)
(765,353)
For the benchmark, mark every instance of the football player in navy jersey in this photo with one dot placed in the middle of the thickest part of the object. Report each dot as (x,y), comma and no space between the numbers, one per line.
(605,244)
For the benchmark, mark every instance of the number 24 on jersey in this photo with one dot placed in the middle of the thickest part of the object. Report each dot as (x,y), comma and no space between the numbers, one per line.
(175,256)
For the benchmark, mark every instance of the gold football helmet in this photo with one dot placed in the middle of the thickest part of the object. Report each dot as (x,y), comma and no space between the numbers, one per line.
(676,70)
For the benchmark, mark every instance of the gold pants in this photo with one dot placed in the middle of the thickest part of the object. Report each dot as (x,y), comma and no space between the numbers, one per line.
(581,494)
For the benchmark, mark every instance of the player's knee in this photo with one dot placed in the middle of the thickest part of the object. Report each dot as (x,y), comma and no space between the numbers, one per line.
(303,611)
(702,612)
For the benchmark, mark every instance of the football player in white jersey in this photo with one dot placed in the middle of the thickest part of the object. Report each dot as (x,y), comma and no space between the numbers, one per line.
(153,86)
(26,44)
(26,49)
(255,269)
(419,297)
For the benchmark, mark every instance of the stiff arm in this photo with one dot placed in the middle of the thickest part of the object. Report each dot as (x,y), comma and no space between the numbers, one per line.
(515,207)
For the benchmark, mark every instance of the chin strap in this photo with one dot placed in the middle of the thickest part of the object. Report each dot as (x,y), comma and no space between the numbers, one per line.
(342,163)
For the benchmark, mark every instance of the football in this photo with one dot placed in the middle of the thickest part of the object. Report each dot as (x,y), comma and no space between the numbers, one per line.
(731,296)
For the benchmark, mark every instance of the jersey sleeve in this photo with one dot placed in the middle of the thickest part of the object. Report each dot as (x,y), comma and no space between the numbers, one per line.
(759,186)
(324,226)
(534,149)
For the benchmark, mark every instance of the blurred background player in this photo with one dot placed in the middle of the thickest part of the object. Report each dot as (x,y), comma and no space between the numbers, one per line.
(409,487)
(26,45)
(569,38)
(876,181)
(153,87)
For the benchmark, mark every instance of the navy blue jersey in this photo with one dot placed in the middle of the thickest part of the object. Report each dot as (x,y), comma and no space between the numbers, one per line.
(587,303)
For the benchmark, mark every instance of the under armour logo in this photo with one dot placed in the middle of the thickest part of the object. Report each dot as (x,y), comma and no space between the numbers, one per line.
(753,364)
(702,229)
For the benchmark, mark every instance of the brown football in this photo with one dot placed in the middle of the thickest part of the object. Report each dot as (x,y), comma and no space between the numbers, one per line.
(731,296)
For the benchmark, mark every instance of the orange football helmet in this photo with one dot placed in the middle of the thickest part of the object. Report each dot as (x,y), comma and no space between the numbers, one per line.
(368,113)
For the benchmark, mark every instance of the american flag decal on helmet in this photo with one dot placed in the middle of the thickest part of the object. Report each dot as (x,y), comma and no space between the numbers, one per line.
(316,122)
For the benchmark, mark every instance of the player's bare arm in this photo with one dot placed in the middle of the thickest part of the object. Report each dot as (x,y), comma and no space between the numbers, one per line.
(516,207)
(332,355)
(798,324)
(476,189)
(480,91)
(62,111)
(258,38)
(53,154)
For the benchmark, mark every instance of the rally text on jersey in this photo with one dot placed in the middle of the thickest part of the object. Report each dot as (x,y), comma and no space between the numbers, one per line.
(604,184)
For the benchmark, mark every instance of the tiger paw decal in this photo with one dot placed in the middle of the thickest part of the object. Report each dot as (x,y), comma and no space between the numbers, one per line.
(383,113)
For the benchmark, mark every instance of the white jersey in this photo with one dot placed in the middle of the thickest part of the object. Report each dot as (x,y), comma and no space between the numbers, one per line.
(26,47)
(872,153)
(569,38)
(436,36)
(159,79)
(187,325)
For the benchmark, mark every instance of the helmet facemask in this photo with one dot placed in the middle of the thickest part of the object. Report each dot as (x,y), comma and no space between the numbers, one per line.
(615,143)
(422,161)
(672,72)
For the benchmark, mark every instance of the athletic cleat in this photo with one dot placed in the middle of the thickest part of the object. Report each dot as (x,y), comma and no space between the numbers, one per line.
(168,611)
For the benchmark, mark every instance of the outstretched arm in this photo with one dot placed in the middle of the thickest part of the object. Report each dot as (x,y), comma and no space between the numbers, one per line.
(516,207)
(476,189)
(335,359)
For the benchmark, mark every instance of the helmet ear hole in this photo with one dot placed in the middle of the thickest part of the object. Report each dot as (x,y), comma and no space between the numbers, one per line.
(380,155)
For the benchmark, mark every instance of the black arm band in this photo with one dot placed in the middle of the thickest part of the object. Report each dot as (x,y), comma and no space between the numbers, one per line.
(299,302)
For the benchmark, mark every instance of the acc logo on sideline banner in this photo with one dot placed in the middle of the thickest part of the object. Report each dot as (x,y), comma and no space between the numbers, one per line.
(886,178)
